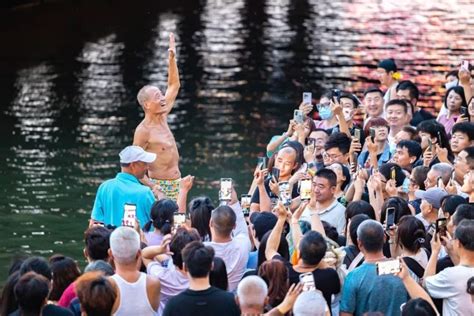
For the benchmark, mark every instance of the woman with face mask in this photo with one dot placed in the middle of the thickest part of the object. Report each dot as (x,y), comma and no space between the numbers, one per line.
(328,119)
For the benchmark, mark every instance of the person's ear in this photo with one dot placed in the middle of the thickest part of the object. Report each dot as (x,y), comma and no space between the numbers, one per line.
(109,252)
(267,301)
(237,300)
(185,268)
(412,159)
(359,244)
(333,189)
(84,252)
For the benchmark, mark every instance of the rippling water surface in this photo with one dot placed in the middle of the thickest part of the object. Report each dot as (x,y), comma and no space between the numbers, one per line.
(69,77)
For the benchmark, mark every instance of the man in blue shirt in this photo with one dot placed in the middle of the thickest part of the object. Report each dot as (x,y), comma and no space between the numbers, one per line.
(365,291)
(124,189)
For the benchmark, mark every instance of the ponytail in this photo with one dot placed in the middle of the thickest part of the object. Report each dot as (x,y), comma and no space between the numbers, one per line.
(147,226)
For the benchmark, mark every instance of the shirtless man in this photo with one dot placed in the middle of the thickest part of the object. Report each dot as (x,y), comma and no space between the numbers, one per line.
(154,134)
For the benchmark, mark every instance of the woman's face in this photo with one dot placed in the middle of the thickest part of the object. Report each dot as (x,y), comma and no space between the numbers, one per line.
(383,76)
(453,102)
(381,133)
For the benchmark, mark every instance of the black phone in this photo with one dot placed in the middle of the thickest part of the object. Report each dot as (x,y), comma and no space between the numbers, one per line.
(262,162)
(357,135)
(465,113)
(275,174)
(336,95)
(441,226)
(372,134)
(439,140)
(390,217)
(438,181)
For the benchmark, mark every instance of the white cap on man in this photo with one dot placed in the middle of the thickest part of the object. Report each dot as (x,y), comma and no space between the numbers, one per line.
(135,153)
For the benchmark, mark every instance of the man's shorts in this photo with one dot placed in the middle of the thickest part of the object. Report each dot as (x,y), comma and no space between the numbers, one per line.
(169,187)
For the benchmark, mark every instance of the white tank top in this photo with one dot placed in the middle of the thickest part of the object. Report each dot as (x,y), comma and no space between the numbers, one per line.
(133,297)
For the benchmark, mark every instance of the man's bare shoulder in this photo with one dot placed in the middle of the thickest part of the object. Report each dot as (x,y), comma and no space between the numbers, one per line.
(142,134)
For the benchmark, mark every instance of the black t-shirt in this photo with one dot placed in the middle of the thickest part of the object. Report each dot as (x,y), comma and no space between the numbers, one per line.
(49,310)
(212,301)
(256,194)
(326,280)
(444,263)
(420,116)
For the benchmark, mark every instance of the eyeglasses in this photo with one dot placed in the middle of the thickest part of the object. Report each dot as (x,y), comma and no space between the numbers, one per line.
(332,157)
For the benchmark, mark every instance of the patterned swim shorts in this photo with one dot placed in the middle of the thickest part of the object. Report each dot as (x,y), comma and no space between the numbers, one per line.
(169,187)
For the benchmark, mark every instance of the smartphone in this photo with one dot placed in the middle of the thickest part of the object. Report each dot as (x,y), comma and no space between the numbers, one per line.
(465,65)
(439,140)
(453,176)
(285,194)
(298,116)
(179,219)
(225,193)
(129,215)
(307,98)
(307,279)
(357,135)
(393,173)
(389,217)
(438,183)
(336,95)
(262,162)
(388,267)
(310,142)
(305,189)
(430,144)
(245,203)
(464,113)
(441,226)
(275,174)
(372,134)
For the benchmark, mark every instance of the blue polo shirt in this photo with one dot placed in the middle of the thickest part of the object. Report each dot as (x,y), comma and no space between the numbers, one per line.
(113,194)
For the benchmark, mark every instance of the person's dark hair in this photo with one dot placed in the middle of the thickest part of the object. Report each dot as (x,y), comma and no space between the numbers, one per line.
(16,262)
(470,156)
(38,265)
(388,65)
(372,90)
(414,148)
(358,207)
(180,239)
(275,275)
(9,304)
(340,141)
(97,241)
(386,171)
(466,128)
(198,259)
(459,90)
(437,131)
(283,248)
(327,174)
(355,222)
(400,102)
(370,233)
(347,175)
(330,231)
(218,275)
(411,233)
(418,307)
(449,203)
(419,174)
(465,234)
(200,210)
(96,294)
(453,73)
(463,211)
(400,205)
(312,247)
(299,149)
(223,220)
(161,214)
(352,97)
(412,131)
(31,292)
(263,222)
(64,271)
(321,130)
(411,87)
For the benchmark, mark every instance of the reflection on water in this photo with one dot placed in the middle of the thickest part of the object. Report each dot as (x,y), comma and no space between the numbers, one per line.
(69,108)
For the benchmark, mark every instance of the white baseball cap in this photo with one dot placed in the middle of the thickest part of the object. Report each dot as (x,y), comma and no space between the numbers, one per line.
(135,153)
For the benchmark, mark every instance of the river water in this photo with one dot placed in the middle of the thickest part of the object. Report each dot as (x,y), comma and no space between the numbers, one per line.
(70,71)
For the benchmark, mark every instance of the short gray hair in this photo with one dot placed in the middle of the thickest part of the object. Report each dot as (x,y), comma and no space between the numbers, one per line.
(142,95)
(252,292)
(444,170)
(371,235)
(310,303)
(124,244)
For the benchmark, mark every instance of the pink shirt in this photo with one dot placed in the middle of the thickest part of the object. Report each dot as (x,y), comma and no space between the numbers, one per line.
(448,123)
(68,295)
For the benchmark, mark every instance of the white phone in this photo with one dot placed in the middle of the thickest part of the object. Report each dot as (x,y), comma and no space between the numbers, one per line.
(388,266)
(305,189)
(225,193)
(307,97)
(465,65)
(129,215)
(298,116)
(307,279)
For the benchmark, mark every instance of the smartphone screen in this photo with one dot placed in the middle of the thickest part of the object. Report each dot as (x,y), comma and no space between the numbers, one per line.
(307,97)
(275,174)
(262,162)
(305,189)
(298,116)
(245,203)
(388,267)
(129,215)
(179,219)
(225,193)
(336,95)
(357,134)
(441,226)
(465,65)
(307,279)
(372,134)
(390,217)
(393,173)
(285,194)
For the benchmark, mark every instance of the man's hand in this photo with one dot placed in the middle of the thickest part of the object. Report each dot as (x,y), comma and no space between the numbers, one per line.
(280,211)
(359,183)
(435,245)
(464,76)
(427,158)
(442,153)
(274,187)
(306,108)
(356,146)
(295,217)
(259,176)
(172,48)
(404,272)
(186,183)
(309,153)
(336,109)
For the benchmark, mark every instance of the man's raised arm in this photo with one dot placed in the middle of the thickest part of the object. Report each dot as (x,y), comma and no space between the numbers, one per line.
(173,76)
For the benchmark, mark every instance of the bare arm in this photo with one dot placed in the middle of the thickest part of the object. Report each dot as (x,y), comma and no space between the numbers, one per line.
(185,185)
(465,82)
(274,239)
(173,76)
(435,249)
